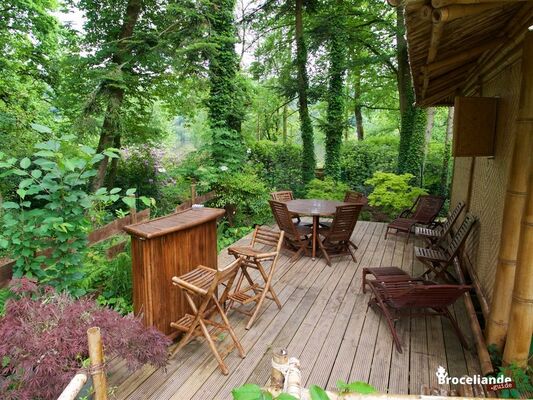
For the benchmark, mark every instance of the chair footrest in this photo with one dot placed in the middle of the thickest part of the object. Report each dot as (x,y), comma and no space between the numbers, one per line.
(244,297)
(184,323)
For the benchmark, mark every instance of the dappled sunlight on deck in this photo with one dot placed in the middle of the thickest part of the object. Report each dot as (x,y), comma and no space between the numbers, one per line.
(325,322)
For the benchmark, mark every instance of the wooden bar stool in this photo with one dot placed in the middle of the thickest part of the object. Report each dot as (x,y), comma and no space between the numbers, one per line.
(255,258)
(202,283)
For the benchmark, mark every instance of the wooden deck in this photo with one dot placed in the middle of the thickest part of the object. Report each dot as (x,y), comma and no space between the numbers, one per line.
(326,323)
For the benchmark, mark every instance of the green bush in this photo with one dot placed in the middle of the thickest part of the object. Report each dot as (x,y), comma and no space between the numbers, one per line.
(361,159)
(327,189)
(53,211)
(278,164)
(244,196)
(392,193)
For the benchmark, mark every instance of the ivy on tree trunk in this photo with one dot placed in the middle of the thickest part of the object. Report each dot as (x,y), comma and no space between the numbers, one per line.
(225,107)
(306,127)
(335,111)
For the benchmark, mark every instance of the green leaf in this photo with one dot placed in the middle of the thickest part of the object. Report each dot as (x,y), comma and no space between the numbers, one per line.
(44,153)
(247,392)
(130,191)
(115,190)
(286,396)
(10,205)
(19,172)
(41,128)
(25,183)
(3,243)
(21,193)
(36,173)
(355,387)
(130,201)
(318,393)
(25,163)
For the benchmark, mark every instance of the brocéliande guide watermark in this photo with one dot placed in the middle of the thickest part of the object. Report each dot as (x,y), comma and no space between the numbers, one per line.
(491,383)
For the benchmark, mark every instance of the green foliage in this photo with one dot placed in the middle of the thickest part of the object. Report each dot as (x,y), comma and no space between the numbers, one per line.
(327,189)
(392,192)
(522,377)
(317,393)
(355,387)
(361,159)
(5,294)
(53,211)
(278,164)
(227,235)
(244,196)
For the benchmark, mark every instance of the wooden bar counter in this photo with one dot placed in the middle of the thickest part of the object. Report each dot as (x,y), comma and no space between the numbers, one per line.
(165,247)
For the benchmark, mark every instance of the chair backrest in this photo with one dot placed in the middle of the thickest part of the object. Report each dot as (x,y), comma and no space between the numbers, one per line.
(268,237)
(285,195)
(283,218)
(353,197)
(452,217)
(427,208)
(343,222)
(460,236)
(226,273)
(420,294)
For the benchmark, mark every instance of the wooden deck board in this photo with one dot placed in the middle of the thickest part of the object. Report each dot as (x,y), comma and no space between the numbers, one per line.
(326,322)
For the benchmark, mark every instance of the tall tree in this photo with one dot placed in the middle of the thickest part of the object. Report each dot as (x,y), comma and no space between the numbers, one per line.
(413,119)
(444,175)
(306,127)
(225,103)
(335,111)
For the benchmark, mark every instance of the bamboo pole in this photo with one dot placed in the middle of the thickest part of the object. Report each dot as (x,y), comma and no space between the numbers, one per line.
(436,34)
(452,12)
(133,210)
(515,201)
(481,347)
(193,193)
(74,387)
(444,3)
(277,379)
(96,354)
(521,316)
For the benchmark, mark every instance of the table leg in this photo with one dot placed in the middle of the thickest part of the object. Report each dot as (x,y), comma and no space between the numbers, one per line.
(315,234)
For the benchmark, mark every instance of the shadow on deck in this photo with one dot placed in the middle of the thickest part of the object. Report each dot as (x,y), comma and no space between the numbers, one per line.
(325,322)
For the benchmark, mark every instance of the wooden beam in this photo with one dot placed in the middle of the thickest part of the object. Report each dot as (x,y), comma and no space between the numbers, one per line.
(521,314)
(515,201)
(450,62)
(444,3)
(436,34)
(452,12)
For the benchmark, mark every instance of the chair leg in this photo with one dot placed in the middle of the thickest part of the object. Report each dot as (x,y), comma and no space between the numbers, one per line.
(351,253)
(230,329)
(328,259)
(213,348)
(456,328)
(297,255)
(268,283)
(390,321)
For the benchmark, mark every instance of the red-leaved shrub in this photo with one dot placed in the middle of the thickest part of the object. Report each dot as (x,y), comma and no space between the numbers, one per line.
(43,340)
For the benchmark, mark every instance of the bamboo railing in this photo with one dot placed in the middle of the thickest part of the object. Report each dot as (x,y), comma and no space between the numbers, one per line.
(97,372)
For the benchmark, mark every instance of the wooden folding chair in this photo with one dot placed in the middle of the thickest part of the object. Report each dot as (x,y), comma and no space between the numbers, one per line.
(353,197)
(337,238)
(438,260)
(285,196)
(201,285)
(255,258)
(415,297)
(423,212)
(296,236)
(438,234)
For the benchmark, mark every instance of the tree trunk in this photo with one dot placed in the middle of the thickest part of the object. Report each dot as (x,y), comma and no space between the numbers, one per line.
(111,125)
(446,159)
(335,110)
(359,130)
(427,138)
(306,127)
(413,119)
(285,117)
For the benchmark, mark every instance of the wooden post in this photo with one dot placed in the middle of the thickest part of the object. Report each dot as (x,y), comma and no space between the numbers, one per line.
(73,388)
(96,353)
(515,200)
(133,210)
(193,193)
(277,379)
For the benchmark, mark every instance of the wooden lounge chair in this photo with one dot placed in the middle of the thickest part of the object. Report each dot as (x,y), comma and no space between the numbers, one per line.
(383,274)
(435,236)
(284,196)
(296,236)
(337,237)
(438,260)
(254,258)
(415,297)
(201,284)
(353,197)
(423,212)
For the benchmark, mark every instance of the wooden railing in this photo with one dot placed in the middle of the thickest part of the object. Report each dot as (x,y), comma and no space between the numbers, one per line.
(195,199)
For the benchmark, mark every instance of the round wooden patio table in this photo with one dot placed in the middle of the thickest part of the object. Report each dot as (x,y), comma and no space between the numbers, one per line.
(315,208)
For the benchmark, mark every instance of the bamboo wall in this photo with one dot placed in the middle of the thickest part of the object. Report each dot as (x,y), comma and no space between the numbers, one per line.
(484,180)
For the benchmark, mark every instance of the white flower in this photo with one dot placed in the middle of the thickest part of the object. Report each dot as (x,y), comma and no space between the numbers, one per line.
(223,168)
(248,151)
(162,170)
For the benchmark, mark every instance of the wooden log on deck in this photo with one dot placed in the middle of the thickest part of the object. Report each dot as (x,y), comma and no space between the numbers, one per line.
(521,314)
(74,387)
(277,378)
(513,212)
(96,354)
(452,12)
